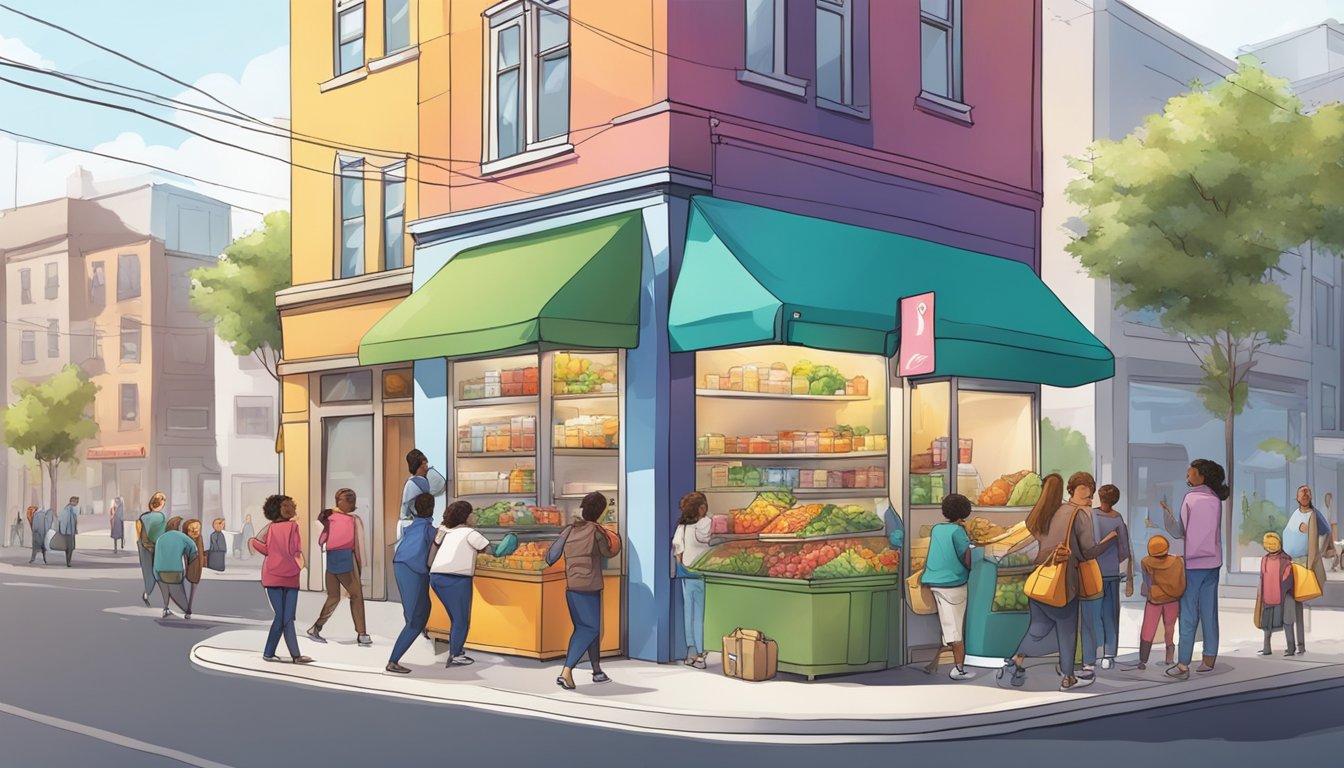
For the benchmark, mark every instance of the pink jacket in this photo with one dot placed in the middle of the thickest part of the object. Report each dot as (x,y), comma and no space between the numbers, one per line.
(1202,519)
(339,532)
(282,547)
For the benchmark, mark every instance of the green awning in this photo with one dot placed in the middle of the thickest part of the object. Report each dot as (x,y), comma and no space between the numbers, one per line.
(747,271)
(573,286)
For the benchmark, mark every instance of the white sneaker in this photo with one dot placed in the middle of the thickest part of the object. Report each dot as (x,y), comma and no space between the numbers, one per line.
(1107,663)
(959,673)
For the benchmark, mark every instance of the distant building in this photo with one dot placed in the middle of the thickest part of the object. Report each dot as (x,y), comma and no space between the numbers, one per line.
(99,279)
(246,415)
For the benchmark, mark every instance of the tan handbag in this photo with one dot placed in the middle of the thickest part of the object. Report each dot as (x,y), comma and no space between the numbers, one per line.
(1049,583)
(1305,584)
(921,597)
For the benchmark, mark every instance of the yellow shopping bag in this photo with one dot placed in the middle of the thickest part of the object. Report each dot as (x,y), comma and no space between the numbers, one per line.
(1305,584)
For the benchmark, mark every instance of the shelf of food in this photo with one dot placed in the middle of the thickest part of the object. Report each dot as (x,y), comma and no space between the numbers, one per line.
(575,373)
(588,452)
(778,513)
(732,394)
(504,514)
(815,493)
(588,396)
(495,402)
(497,455)
(792,456)
(839,558)
(520,496)
(778,379)
(579,496)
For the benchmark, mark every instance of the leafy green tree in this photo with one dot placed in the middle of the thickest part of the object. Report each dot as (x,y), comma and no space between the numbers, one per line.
(1258,517)
(237,294)
(1063,450)
(51,419)
(1190,215)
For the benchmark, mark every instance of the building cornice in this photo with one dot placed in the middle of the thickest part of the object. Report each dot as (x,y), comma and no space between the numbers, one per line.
(390,284)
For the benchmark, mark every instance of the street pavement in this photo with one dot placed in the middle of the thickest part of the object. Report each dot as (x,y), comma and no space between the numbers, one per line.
(88,679)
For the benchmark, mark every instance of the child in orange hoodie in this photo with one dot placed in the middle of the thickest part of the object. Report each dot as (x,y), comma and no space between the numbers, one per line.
(1163,585)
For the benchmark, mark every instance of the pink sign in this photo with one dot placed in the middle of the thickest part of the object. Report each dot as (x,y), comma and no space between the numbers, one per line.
(916,356)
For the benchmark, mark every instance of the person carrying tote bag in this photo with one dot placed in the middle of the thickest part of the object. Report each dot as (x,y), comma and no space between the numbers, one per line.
(1064,541)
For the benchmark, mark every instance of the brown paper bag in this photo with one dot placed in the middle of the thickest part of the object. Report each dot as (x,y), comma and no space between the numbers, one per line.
(749,655)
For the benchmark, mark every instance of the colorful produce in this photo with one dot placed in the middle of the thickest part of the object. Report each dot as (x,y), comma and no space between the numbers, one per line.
(754,518)
(799,560)
(850,518)
(982,530)
(737,563)
(1016,561)
(793,520)
(530,556)
(1026,492)
(1010,596)
(1000,492)
(574,375)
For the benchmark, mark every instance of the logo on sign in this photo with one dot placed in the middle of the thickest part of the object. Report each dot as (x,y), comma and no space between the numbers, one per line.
(916,353)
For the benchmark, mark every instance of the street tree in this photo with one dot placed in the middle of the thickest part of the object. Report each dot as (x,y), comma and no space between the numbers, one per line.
(51,419)
(237,294)
(1190,215)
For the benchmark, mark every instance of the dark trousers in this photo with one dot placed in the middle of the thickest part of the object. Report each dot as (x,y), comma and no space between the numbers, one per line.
(285,604)
(175,591)
(585,612)
(40,545)
(414,589)
(146,567)
(69,548)
(1052,630)
(1101,622)
(455,593)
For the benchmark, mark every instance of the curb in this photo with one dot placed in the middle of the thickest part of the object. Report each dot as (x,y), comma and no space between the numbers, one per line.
(806,730)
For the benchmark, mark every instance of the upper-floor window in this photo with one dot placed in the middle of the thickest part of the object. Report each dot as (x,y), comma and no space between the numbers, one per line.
(351,192)
(940,48)
(396,25)
(53,283)
(28,348)
(53,338)
(130,340)
(129,405)
(394,216)
(765,36)
(98,284)
(189,419)
(1323,313)
(528,70)
(835,51)
(128,276)
(349,35)
(25,286)
(253,416)
(1329,407)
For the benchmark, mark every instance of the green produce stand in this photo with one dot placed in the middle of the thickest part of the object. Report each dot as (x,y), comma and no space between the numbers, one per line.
(823,627)
(992,635)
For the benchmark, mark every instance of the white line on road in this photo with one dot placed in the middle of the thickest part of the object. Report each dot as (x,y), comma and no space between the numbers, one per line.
(55,586)
(109,737)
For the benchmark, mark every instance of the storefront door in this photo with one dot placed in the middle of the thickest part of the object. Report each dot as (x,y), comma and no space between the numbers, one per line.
(347,462)
(398,440)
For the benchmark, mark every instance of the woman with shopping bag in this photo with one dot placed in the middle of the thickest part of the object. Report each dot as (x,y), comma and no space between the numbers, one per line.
(1065,541)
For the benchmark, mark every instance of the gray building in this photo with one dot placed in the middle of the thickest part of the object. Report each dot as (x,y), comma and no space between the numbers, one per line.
(1107,66)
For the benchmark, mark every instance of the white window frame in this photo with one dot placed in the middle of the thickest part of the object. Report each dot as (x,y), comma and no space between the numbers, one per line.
(25,286)
(350,168)
(139,330)
(28,347)
(952,26)
(525,15)
(51,282)
(53,338)
(342,8)
(387,17)
(845,10)
(394,174)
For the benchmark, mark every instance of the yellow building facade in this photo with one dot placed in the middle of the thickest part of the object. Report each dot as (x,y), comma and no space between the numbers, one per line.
(356,81)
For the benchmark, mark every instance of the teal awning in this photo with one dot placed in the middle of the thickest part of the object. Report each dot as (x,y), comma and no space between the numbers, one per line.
(747,271)
(574,286)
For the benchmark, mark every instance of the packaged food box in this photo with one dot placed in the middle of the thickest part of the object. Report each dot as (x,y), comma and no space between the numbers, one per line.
(819,478)
(848,478)
(843,444)
(513,389)
(804,479)
(877,477)
(716,445)
(835,479)
(813,443)
(711,381)
(792,478)
(735,378)
(736,474)
(718,476)
(799,385)
(964,445)
(530,388)
(491,389)
(857,386)
(718,524)
(531,375)
(751,477)
(775,477)
(826,444)
(751,378)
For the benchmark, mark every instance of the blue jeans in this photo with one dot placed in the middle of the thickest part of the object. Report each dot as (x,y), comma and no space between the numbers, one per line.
(285,604)
(414,589)
(585,611)
(693,613)
(455,593)
(1101,622)
(1199,607)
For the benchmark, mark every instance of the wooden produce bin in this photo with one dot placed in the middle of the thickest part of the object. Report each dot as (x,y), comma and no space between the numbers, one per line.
(823,627)
(520,613)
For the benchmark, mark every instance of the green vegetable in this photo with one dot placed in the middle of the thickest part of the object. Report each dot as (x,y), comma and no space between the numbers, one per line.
(1026,492)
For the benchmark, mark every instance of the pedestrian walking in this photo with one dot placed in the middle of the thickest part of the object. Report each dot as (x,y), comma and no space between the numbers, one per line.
(148,528)
(282,548)
(584,544)
(452,566)
(219,547)
(342,537)
(67,525)
(192,528)
(1163,585)
(1065,537)
(1305,538)
(1102,616)
(1274,595)
(690,541)
(1201,526)
(16,531)
(410,567)
(947,570)
(244,549)
(117,513)
(173,549)
(37,524)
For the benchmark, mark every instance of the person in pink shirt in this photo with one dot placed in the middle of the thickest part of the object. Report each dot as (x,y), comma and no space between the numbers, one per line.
(1201,525)
(342,532)
(280,544)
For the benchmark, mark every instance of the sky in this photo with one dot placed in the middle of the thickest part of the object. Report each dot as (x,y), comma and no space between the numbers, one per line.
(238,52)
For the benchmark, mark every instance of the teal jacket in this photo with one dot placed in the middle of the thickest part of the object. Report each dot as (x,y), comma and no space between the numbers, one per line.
(946,564)
(171,552)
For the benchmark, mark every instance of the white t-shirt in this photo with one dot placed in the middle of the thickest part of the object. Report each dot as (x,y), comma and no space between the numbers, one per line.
(692,541)
(457,550)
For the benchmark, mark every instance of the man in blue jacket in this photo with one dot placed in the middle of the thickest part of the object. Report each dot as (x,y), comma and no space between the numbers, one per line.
(40,522)
(67,524)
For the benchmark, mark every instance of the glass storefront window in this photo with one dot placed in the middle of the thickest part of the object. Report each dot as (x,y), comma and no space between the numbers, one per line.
(347,462)
(930,447)
(352,387)
(994,436)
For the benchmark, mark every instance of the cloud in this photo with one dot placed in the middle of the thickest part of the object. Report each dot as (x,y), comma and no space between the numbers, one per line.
(16,49)
(262,91)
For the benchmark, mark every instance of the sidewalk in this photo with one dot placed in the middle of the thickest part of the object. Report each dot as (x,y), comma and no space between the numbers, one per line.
(671,699)
(95,557)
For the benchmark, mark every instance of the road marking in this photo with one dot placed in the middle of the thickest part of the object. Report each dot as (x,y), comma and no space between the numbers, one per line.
(55,586)
(109,737)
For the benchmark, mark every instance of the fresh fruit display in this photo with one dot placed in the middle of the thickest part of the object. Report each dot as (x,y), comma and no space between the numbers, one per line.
(530,556)
(847,564)
(763,510)
(803,560)
(1026,492)
(490,517)
(575,375)
(1010,595)
(982,530)
(737,563)
(793,520)
(1016,561)
(849,518)
(1000,492)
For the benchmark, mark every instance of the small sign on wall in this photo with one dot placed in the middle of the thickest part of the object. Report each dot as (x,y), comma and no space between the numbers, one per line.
(916,353)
